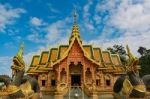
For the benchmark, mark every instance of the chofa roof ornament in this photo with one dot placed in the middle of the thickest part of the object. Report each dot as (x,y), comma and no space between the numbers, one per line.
(133,61)
(21,51)
(18,59)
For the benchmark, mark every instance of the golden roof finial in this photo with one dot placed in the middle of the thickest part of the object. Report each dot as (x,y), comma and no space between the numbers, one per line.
(133,61)
(131,57)
(20,53)
(75,29)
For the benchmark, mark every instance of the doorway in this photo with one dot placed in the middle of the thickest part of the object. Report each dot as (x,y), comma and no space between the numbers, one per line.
(76,80)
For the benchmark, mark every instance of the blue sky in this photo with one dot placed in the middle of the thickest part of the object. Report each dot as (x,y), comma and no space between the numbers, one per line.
(42,24)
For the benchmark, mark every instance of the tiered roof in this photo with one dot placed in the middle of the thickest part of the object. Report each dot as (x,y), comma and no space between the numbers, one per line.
(104,59)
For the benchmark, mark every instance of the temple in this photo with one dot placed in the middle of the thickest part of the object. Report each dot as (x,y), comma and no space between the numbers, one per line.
(75,71)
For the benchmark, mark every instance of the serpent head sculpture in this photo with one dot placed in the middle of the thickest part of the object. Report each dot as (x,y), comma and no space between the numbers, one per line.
(130,85)
(18,67)
(18,86)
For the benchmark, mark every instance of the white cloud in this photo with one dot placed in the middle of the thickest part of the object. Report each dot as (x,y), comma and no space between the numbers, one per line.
(88,24)
(58,30)
(132,17)
(106,5)
(6,62)
(36,21)
(97,19)
(132,21)
(53,33)
(8,15)
(53,30)
(86,9)
(133,41)
(52,9)
(36,37)
(9,45)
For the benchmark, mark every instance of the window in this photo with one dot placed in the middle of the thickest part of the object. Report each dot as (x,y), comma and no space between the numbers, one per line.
(97,82)
(53,82)
(88,69)
(43,82)
(108,82)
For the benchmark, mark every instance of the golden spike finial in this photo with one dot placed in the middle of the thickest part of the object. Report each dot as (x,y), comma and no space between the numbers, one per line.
(132,60)
(75,30)
(20,53)
(131,57)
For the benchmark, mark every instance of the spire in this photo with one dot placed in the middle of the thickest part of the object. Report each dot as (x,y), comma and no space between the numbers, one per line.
(75,29)
(75,16)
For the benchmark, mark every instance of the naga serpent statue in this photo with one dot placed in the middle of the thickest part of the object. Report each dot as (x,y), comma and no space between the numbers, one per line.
(19,86)
(130,85)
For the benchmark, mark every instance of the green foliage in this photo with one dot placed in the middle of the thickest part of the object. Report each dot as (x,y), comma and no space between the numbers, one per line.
(119,49)
(144,61)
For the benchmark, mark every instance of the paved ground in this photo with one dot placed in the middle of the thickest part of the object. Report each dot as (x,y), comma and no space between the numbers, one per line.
(107,96)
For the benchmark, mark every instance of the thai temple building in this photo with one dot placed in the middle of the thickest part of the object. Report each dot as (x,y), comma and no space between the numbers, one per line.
(75,71)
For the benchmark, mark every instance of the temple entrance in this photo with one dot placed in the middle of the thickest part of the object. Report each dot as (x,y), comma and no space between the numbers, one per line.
(75,80)
(75,74)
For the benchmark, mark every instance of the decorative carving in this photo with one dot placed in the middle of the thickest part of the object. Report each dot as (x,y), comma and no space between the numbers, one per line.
(76,51)
(63,76)
(19,86)
(43,77)
(88,76)
(75,69)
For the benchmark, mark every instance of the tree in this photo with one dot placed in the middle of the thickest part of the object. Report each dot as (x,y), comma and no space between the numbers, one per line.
(144,60)
(142,51)
(119,49)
